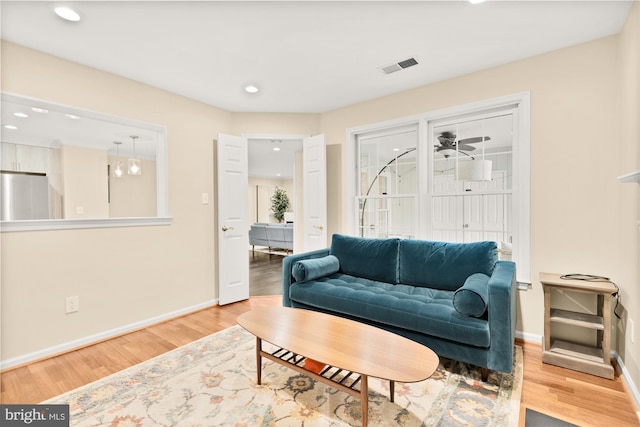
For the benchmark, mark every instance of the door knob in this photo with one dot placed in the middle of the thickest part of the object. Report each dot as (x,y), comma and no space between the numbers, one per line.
(225,228)
(319,227)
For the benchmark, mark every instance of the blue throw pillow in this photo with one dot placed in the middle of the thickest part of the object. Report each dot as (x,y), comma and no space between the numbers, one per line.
(374,259)
(472,298)
(311,269)
(444,265)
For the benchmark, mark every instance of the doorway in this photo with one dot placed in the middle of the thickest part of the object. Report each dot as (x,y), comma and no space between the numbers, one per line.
(273,164)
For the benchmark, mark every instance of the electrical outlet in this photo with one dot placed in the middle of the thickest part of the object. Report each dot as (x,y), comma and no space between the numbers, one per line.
(205,198)
(72,304)
(632,331)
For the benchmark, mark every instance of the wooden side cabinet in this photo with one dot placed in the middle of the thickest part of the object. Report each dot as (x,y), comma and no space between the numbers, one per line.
(595,360)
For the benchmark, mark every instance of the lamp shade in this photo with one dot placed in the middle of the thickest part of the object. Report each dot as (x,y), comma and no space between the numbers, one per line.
(474,170)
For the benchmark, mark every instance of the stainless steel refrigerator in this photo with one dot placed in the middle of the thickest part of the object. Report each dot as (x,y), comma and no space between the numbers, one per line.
(24,196)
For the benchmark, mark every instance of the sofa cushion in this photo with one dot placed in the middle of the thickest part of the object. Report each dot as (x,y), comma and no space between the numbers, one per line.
(472,298)
(444,265)
(311,269)
(375,259)
(423,310)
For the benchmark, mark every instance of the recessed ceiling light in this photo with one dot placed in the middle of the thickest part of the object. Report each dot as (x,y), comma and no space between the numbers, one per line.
(396,149)
(476,1)
(67,13)
(251,89)
(39,110)
(12,127)
(276,148)
(72,116)
(21,115)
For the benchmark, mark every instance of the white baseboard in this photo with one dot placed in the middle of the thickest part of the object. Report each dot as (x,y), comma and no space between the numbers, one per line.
(633,388)
(529,337)
(91,339)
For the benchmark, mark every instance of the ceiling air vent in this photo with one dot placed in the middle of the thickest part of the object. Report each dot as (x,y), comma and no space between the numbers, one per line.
(388,69)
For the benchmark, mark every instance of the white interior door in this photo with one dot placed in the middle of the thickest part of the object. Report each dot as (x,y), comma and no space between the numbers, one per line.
(314,171)
(233,224)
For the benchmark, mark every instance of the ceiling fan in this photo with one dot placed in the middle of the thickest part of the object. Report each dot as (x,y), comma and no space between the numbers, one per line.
(448,142)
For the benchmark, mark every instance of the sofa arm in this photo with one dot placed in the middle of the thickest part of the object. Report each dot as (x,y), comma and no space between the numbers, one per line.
(287,267)
(502,315)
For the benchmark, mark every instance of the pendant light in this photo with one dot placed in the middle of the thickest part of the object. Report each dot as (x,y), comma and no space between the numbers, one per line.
(135,165)
(117,171)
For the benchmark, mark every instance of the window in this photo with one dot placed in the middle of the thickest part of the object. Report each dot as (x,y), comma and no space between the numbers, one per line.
(472,180)
(387,188)
(458,175)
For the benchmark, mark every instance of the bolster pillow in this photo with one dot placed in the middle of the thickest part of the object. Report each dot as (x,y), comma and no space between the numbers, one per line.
(471,299)
(311,269)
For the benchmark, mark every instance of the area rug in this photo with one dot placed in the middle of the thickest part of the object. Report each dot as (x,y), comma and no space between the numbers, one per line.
(212,382)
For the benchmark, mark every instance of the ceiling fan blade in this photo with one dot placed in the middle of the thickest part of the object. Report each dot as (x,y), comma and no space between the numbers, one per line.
(464,147)
(473,140)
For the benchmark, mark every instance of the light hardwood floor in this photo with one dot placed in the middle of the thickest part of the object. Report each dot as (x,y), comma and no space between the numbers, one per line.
(572,396)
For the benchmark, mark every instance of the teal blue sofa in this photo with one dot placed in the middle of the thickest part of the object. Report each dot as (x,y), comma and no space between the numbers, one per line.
(455,298)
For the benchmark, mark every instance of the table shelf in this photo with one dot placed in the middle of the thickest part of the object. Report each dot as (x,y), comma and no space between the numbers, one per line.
(595,360)
(575,318)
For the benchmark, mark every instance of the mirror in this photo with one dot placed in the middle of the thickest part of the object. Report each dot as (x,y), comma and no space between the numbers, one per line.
(62,165)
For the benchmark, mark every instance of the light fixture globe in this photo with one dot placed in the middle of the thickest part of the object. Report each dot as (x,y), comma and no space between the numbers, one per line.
(117,171)
(134,164)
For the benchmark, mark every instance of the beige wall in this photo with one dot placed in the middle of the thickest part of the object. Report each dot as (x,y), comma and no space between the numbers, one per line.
(285,184)
(122,275)
(275,124)
(84,177)
(628,213)
(133,195)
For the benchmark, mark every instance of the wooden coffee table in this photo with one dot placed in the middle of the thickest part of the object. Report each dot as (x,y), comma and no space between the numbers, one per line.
(351,350)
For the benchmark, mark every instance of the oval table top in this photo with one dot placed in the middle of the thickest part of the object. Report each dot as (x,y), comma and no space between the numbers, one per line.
(342,343)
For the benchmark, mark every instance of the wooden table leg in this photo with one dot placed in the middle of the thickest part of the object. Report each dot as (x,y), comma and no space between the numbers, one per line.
(259,359)
(392,388)
(364,399)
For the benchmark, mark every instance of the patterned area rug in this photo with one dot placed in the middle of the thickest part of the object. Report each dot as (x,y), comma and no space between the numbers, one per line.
(212,382)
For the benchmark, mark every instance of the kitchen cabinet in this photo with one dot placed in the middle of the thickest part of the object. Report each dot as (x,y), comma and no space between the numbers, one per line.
(25,158)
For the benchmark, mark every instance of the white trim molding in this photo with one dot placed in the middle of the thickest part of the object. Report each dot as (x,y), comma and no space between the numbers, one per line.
(67,224)
(633,388)
(162,175)
(101,336)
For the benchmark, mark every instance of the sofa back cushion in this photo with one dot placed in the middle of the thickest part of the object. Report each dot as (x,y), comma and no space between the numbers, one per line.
(444,265)
(375,259)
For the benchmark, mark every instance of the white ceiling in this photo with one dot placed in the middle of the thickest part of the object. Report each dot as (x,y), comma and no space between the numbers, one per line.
(304,56)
